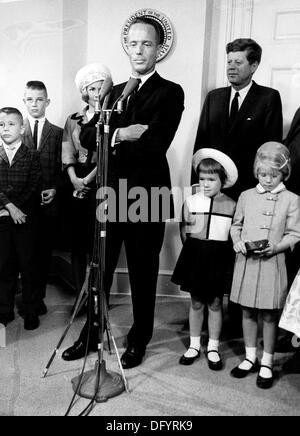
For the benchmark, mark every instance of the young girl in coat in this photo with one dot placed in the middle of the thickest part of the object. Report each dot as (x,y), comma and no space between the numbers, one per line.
(203,266)
(268,211)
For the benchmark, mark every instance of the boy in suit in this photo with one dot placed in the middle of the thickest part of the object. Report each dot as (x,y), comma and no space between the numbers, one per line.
(41,135)
(19,187)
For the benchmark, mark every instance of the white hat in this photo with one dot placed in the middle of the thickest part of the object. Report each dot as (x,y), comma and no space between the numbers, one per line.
(91,73)
(228,165)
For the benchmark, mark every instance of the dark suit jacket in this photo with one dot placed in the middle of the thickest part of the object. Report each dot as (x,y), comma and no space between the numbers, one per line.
(259,120)
(292,141)
(159,104)
(20,183)
(50,158)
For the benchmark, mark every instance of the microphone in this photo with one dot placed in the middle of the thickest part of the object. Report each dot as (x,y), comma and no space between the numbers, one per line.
(130,86)
(105,88)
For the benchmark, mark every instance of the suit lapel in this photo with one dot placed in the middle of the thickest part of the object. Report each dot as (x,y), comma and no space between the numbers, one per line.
(27,136)
(224,108)
(143,93)
(20,153)
(3,154)
(45,133)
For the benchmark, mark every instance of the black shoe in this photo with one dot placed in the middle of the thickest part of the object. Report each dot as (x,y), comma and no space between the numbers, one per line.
(285,345)
(241,373)
(41,308)
(31,321)
(132,357)
(215,366)
(77,351)
(189,360)
(262,382)
(292,366)
(7,318)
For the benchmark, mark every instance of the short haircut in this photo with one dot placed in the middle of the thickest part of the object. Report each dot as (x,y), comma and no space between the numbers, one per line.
(150,22)
(12,111)
(254,50)
(37,84)
(211,166)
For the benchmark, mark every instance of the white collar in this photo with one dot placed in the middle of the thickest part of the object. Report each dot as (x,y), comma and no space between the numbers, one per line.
(33,120)
(279,188)
(243,92)
(143,78)
(15,147)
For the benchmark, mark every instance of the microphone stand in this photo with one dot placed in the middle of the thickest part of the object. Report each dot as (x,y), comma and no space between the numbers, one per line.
(97,384)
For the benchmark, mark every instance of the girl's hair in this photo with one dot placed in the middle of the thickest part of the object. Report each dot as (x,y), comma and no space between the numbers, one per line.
(276,161)
(211,166)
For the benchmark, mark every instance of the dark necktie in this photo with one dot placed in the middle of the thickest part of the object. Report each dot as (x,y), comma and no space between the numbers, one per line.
(234,108)
(132,96)
(35,133)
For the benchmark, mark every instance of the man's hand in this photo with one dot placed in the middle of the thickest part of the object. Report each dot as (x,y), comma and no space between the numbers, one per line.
(239,247)
(131,133)
(48,195)
(16,214)
(79,184)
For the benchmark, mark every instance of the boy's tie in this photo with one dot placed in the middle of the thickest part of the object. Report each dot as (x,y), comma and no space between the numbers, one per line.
(234,108)
(35,133)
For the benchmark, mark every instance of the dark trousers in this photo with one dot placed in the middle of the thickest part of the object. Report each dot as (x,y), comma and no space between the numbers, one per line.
(16,255)
(143,242)
(46,235)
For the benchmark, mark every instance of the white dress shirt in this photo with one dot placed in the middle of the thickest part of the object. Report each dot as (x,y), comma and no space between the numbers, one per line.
(41,122)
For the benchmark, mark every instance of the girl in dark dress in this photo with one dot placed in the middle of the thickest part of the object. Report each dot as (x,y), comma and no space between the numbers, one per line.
(204,263)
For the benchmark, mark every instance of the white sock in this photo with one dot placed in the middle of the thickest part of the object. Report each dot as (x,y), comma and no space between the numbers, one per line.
(194,343)
(251,355)
(213,345)
(267,359)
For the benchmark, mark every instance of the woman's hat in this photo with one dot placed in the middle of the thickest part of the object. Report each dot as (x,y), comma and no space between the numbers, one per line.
(91,73)
(228,164)
(275,155)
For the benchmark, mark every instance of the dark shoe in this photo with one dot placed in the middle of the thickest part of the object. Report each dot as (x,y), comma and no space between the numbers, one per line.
(132,357)
(215,366)
(31,321)
(262,382)
(41,308)
(189,360)
(241,373)
(77,351)
(292,366)
(284,345)
(7,318)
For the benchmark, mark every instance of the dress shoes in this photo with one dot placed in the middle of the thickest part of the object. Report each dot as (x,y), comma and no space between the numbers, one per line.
(263,382)
(132,357)
(31,321)
(292,366)
(215,366)
(189,360)
(241,373)
(77,351)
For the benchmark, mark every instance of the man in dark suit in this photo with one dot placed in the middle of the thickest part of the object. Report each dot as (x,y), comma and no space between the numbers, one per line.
(45,137)
(141,136)
(238,124)
(20,178)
